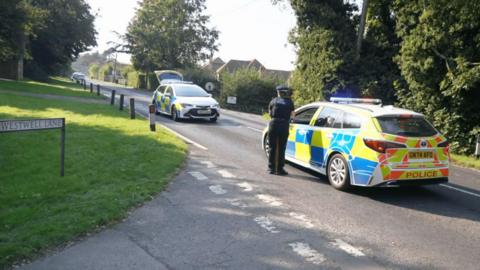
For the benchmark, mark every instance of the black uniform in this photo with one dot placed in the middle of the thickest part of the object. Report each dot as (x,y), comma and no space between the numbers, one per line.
(280,110)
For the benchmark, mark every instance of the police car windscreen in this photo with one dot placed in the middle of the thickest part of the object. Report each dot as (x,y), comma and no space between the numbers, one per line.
(408,126)
(190,91)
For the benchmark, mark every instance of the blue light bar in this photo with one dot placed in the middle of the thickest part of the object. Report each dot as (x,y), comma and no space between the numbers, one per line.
(356,101)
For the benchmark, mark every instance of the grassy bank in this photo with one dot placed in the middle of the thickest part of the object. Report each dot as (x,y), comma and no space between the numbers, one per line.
(466,161)
(112,164)
(55,86)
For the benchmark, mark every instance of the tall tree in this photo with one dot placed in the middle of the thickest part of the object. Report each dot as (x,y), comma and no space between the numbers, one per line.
(440,61)
(325,41)
(170,34)
(68,31)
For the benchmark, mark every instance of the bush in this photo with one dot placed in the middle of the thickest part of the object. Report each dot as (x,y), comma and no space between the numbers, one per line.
(253,91)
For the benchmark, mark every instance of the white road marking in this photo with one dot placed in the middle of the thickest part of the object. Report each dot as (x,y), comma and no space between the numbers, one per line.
(269,200)
(246,186)
(266,223)
(303,218)
(347,248)
(217,189)
(183,137)
(461,190)
(198,175)
(310,255)
(237,203)
(207,163)
(226,174)
(255,129)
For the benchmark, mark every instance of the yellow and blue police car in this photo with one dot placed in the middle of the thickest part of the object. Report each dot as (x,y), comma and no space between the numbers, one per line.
(362,143)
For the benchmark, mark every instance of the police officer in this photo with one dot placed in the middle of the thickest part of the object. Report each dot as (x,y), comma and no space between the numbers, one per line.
(280,110)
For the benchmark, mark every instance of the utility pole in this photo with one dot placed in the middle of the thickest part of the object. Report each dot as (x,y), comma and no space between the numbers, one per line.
(361,28)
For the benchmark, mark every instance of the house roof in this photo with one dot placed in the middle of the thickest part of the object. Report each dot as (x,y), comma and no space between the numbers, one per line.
(214,64)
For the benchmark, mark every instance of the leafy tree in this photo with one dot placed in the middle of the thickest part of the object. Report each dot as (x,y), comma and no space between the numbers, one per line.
(93,71)
(253,90)
(440,61)
(68,31)
(169,34)
(377,73)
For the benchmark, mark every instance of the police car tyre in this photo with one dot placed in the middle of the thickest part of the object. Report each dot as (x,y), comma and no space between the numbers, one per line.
(175,115)
(266,145)
(337,172)
(214,119)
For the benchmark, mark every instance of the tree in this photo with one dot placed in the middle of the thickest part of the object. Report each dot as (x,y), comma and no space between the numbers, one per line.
(440,61)
(168,34)
(68,31)
(325,41)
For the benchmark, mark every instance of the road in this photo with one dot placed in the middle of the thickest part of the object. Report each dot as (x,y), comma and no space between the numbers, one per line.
(226,212)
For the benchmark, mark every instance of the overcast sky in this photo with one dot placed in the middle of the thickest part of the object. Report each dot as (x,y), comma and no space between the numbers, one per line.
(249,29)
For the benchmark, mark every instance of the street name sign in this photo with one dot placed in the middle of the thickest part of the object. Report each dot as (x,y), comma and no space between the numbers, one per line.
(31,124)
(38,124)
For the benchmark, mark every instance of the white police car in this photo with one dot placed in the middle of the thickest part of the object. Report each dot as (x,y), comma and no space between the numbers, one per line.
(184,100)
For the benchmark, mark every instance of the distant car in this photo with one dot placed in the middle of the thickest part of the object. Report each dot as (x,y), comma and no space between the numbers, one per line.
(360,142)
(78,77)
(185,100)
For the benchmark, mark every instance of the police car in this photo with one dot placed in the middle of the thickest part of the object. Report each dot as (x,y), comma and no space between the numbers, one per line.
(183,100)
(362,143)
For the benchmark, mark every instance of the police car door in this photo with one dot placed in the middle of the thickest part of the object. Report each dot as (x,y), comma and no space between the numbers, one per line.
(166,99)
(159,96)
(324,131)
(300,135)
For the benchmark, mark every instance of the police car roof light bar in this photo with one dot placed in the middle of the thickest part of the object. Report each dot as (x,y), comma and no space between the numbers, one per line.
(356,101)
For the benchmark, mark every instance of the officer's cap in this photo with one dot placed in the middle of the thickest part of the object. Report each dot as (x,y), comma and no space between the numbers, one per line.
(283,89)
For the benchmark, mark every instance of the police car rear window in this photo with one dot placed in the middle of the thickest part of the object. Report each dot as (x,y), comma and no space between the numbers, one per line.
(406,126)
(190,91)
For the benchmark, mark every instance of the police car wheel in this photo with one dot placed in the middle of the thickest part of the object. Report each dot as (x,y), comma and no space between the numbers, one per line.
(213,120)
(175,115)
(266,145)
(337,172)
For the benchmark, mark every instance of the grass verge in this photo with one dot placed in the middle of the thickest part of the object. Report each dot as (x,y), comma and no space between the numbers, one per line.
(112,164)
(55,86)
(466,161)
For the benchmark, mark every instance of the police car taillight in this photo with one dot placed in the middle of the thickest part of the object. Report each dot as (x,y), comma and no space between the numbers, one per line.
(381,146)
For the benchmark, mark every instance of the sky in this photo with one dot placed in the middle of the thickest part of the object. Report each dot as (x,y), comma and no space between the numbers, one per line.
(249,29)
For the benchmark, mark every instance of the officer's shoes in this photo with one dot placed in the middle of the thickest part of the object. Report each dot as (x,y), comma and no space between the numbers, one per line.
(271,171)
(282,172)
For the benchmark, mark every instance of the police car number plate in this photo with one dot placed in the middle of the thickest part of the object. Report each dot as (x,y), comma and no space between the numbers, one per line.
(204,111)
(420,155)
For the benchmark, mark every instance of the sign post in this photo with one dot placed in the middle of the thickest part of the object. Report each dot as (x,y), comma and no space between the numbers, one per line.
(38,124)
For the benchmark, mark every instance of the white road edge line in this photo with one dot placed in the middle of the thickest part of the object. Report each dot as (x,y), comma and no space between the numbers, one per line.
(270,200)
(461,190)
(176,133)
(255,129)
(309,254)
(347,248)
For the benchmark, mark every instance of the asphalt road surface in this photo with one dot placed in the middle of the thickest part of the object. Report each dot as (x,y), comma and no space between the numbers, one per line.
(226,212)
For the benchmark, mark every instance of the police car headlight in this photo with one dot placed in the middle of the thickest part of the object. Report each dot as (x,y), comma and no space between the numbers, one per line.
(186,105)
(216,106)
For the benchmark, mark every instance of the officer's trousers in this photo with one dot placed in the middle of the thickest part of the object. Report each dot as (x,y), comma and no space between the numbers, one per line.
(277,139)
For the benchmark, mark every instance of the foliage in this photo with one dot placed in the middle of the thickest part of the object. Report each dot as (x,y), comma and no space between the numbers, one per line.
(105,70)
(440,61)
(199,76)
(253,91)
(324,37)
(169,34)
(84,61)
(68,31)
(94,71)
(40,209)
